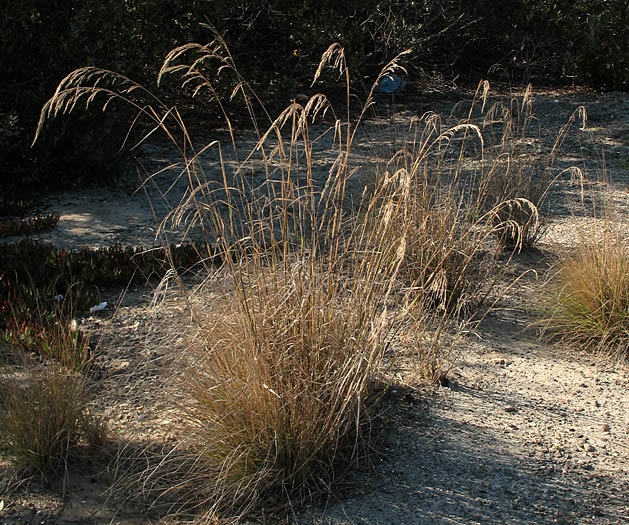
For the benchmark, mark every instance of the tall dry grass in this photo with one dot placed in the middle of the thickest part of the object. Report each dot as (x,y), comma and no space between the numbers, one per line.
(447,250)
(277,389)
(519,172)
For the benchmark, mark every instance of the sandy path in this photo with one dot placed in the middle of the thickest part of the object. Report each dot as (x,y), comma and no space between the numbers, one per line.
(524,433)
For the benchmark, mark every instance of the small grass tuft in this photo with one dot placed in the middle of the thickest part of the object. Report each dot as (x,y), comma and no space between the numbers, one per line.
(45,421)
(588,295)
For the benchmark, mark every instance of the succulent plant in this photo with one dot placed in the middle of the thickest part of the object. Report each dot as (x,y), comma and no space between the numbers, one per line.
(42,288)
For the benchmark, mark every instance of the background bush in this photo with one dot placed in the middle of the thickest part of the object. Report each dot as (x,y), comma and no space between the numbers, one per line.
(580,41)
(276,44)
(41,41)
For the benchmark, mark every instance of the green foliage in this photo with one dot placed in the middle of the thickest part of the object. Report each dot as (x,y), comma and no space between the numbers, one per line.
(43,40)
(554,40)
(600,45)
(25,225)
(50,334)
(40,264)
(290,37)
(276,44)
(34,275)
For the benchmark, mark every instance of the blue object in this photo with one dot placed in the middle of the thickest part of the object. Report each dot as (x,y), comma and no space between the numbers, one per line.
(390,83)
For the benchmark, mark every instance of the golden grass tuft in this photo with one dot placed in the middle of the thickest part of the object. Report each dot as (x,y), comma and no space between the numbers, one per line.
(281,382)
(587,302)
(277,388)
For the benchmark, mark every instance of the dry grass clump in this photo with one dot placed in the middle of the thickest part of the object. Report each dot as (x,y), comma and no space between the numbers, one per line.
(278,386)
(588,294)
(520,173)
(45,422)
(281,383)
(446,259)
(448,252)
(276,392)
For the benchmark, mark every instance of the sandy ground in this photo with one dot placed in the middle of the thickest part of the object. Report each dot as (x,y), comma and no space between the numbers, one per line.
(524,431)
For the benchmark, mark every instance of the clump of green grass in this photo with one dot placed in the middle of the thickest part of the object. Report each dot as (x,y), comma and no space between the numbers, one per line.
(45,421)
(588,295)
